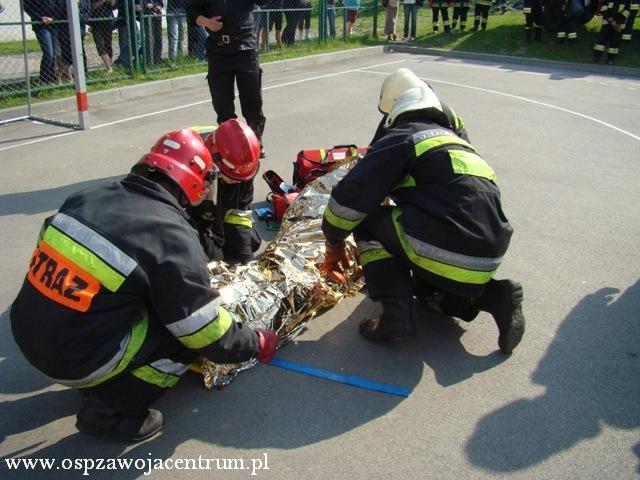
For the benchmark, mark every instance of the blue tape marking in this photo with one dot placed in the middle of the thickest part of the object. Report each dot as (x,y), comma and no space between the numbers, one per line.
(340,378)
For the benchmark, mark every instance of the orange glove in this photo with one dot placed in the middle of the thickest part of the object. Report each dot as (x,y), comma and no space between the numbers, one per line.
(267,344)
(334,256)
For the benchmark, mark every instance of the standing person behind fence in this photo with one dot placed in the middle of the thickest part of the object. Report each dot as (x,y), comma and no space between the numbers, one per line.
(331,18)
(176,14)
(440,7)
(151,20)
(42,13)
(614,17)
(101,21)
(481,14)
(232,51)
(391,16)
(127,32)
(304,20)
(460,11)
(351,11)
(410,8)
(291,14)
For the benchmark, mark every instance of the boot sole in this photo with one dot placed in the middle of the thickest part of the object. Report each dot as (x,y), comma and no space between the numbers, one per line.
(99,432)
(515,332)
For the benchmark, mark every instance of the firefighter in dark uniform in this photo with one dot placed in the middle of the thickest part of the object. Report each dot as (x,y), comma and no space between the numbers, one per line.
(634,7)
(232,52)
(117,300)
(614,18)
(224,219)
(460,11)
(398,82)
(440,7)
(481,14)
(444,238)
(534,19)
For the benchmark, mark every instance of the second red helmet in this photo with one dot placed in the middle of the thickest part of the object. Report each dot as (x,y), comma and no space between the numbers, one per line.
(235,150)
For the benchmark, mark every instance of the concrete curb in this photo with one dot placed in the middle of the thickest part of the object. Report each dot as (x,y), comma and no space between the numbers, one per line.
(198,79)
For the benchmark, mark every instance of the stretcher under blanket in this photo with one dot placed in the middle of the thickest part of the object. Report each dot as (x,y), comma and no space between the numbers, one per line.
(284,288)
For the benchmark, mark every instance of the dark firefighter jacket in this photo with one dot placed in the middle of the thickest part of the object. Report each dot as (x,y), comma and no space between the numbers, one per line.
(116,263)
(237,31)
(448,219)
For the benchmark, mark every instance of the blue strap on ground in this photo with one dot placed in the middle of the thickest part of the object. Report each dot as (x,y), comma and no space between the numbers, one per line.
(341,378)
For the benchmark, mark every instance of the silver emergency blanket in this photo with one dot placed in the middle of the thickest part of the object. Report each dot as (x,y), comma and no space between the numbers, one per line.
(285,288)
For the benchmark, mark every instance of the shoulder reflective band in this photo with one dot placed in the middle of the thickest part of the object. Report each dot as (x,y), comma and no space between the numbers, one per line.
(344,218)
(425,142)
(468,163)
(202,327)
(340,378)
(447,270)
(239,217)
(90,250)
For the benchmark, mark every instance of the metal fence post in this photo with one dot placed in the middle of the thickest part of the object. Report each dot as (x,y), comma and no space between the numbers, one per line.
(78,64)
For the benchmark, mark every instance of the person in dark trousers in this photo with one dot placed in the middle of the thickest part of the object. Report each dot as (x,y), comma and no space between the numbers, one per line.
(292,15)
(151,20)
(233,57)
(534,19)
(614,17)
(443,239)
(460,12)
(634,7)
(117,301)
(43,13)
(481,14)
(440,8)
(101,21)
(224,219)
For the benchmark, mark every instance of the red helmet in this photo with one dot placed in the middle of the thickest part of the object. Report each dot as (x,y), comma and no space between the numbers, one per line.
(235,150)
(183,156)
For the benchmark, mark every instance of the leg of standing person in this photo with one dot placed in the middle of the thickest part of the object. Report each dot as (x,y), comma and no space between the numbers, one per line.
(331,19)
(249,80)
(445,17)
(435,11)
(414,21)
(157,38)
(47,62)
(405,30)
(221,78)
(172,35)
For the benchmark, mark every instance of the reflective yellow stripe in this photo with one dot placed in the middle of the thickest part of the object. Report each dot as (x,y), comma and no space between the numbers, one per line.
(340,222)
(84,258)
(467,163)
(151,375)
(213,331)
(238,220)
(406,183)
(138,333)
(373,256)
(447,271)
(438,141)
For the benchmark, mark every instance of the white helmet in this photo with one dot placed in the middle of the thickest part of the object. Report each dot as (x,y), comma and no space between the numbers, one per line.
(414,99)
(394,85)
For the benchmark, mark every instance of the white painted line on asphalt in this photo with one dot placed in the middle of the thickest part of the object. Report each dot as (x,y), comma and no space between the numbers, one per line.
(524,99)
(159,112)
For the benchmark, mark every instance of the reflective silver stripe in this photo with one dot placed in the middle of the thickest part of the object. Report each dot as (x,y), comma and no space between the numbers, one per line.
(425,134)
(166,365)
(194,322)
(240,213)
(100,372)
(455,259)
(364,246)
(95,242)
(345,212)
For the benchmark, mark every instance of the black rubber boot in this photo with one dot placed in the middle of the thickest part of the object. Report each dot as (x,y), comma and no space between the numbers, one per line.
(503,300)
(97,418)
(395,322)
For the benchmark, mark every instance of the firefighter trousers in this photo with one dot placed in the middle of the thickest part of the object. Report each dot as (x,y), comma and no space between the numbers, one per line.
(242,69)
(158,366)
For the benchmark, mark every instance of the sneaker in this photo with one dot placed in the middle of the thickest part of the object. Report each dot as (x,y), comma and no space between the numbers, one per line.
(396,322)
(96,418)
(503,300)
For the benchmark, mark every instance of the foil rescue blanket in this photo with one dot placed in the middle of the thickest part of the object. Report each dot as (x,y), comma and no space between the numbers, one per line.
(284,289)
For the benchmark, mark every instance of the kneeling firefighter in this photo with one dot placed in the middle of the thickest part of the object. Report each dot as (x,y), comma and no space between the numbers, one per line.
(224,219)
(444,238)
(117,300)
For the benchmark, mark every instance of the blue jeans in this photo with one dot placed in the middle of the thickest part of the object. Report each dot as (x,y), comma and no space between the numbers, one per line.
(46,35)
(123,42)
(196,39)
(331,19)
(410,11)
(175,33)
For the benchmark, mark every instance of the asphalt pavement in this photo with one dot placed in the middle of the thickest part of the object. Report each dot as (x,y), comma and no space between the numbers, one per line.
(566,405)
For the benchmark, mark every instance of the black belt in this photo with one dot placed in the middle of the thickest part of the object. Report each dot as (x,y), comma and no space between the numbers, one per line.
(222,40)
